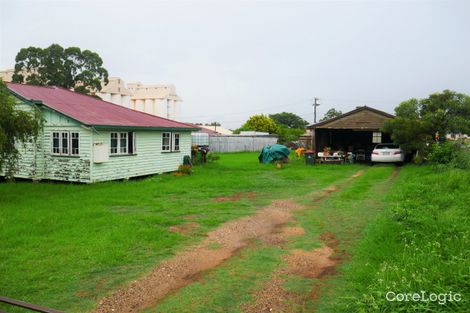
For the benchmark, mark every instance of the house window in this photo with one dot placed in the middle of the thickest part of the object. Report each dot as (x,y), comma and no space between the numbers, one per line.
(176,142)
(75,145)
(56,143)
(65,143)
(166,141)
(122,143)
(376,137)
(114,143)
(131,143)
(171,142)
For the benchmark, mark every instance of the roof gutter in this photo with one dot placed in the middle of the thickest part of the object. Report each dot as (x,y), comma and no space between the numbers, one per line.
(37,102)
(144,128)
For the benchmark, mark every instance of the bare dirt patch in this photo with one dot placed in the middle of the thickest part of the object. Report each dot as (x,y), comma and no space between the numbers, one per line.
(324,193)
(395,172)
(82,294)
(360,173)
(294,231)
(273,297)
(265,302)
(184,267)
(330,239)
(310,264)
(236,197)
(191,217)
(184,229)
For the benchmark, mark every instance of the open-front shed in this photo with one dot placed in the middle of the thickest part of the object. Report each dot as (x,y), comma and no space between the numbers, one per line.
(357,131)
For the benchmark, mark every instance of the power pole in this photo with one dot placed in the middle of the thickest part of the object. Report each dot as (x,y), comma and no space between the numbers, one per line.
(315,104)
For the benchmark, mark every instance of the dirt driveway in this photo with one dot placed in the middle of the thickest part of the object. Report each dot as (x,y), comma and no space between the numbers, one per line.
(223,243)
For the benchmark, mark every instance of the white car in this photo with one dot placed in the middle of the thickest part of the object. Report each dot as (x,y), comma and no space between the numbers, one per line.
(387,153)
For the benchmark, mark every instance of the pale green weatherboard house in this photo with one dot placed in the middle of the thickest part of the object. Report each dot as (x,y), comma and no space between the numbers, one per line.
(88,140)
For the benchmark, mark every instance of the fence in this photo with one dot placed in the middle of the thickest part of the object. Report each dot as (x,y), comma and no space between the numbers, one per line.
(236,143)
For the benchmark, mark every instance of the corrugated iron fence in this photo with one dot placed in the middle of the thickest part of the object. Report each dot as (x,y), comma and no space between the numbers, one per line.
(236,143)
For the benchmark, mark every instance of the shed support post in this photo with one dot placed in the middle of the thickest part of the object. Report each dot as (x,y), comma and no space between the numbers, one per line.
(314,139)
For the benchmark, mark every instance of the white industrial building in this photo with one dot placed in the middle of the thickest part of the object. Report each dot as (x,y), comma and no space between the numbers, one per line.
(159,100)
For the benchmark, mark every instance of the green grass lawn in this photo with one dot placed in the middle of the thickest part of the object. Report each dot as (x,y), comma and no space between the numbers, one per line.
(406,235)
(67,245)
(419,242)
(229,287)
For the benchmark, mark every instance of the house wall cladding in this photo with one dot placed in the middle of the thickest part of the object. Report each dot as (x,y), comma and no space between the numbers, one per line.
(68,168)
(148,157)
(239,143)
(61,167)
(37,162)
(27,166)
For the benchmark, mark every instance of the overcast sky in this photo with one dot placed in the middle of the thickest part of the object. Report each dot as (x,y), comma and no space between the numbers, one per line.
(231,59)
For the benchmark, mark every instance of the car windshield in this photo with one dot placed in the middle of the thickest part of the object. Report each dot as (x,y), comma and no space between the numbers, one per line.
(387,146)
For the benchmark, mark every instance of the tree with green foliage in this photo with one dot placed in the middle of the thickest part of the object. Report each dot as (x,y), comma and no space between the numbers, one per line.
(289,126)
(447,112)
(331,113)
(408,128)
(289,120)
(419,123)
(69,68)
(260,123)
(287,134)
(16,126)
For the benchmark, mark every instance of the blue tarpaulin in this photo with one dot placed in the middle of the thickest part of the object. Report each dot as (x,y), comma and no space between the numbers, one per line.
(273,153)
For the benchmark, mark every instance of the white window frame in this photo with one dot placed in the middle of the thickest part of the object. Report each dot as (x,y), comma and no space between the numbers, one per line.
(64,150)
(71,143)
(60,137)
(122,150)
(59,149)
(134,146)
(169,145)
(175,146)
(111,143)
(376,137)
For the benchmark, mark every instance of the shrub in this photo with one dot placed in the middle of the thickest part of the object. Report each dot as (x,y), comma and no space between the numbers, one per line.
(185,169)
(462,158)
(454,154)
(442,153)
(211,157)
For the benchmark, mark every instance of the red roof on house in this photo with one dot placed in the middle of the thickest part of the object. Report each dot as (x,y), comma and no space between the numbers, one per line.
(91,111)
